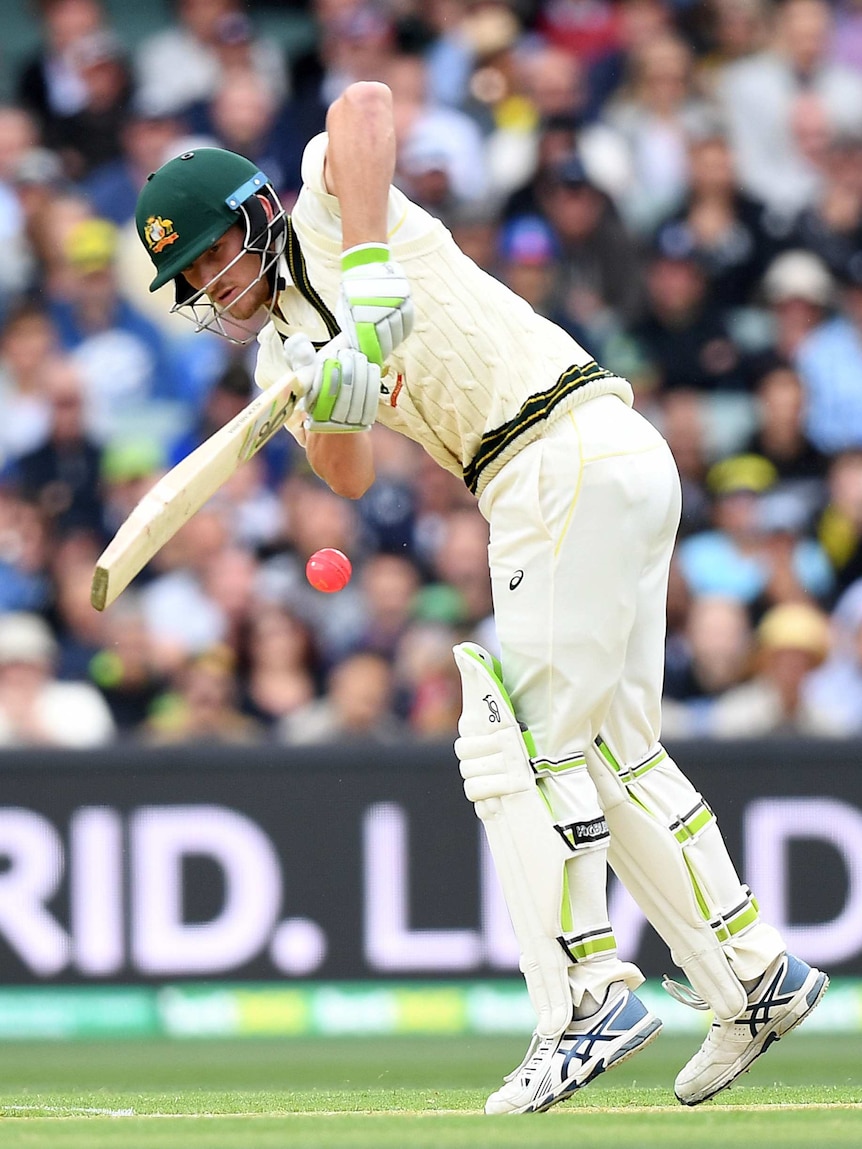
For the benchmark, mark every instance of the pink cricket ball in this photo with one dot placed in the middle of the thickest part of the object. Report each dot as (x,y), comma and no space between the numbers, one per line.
(328,570)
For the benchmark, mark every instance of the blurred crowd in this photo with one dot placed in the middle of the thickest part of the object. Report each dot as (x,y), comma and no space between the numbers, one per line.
(678,183)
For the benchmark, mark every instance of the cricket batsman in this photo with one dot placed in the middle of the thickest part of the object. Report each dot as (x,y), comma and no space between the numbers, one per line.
(558,741)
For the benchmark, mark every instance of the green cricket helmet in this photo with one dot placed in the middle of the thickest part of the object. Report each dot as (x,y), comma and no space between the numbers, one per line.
(188,204)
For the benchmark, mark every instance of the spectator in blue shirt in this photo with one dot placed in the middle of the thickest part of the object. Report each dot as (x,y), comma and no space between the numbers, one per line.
(756,551)
(125,359)
(830,365)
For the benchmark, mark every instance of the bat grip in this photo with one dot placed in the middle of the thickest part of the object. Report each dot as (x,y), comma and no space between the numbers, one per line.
(302,354)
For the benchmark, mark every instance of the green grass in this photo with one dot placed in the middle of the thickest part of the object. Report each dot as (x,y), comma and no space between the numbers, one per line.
(400,1093)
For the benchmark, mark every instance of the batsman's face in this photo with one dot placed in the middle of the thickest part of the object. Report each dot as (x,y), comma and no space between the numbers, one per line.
(230,276)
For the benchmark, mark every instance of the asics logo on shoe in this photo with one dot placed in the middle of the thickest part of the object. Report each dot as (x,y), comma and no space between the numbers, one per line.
(583,1045)
(761,1012)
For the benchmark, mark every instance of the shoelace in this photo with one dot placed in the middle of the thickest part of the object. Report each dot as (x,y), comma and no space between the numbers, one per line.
(683,993)
(536,1051)
(531,1051)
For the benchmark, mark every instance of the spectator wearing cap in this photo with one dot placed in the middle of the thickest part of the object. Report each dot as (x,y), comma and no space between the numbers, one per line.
(553,82)
(528,261)
(740,556)
(181,65)
(684,334)
(36,709)
(799,292)
(759,96)
(792,640)
(600,285)
(829,360)
(130,465)
(556,138)
(127,363)
(796,564)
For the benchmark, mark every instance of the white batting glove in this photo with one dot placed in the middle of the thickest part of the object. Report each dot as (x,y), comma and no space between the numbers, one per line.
(374,308)
(342,389)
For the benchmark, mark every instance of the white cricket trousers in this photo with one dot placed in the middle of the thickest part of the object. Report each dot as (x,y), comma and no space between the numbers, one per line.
(582,530)
(583,524)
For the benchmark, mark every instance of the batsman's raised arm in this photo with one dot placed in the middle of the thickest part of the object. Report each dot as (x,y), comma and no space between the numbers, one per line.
(360,161)
(375,308)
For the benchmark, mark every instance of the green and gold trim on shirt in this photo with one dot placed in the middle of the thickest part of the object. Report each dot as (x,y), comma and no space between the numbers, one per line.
(536,409)
(302,283)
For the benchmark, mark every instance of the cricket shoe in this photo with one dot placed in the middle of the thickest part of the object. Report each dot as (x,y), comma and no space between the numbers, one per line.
(783,997)
(557,1067)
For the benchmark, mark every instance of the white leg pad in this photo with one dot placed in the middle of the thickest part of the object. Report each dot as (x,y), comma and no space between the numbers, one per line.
(667,850)
(529,855)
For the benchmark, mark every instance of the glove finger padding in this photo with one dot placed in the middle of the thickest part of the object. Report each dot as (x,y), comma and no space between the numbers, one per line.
(375,308)
(341,389)
(345,395)
(358,393)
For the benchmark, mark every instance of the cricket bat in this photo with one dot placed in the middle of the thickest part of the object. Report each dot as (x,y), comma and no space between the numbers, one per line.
(186,487)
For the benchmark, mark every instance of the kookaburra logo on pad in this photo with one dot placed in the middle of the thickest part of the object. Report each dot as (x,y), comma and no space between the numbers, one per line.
(493,708)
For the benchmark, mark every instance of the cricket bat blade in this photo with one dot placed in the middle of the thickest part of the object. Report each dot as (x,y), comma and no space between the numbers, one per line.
(182,492)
